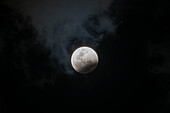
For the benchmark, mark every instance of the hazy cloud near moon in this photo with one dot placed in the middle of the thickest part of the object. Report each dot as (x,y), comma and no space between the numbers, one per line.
(61,21)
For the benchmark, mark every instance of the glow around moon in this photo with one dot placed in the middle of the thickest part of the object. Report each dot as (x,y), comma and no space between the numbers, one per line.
(84,60)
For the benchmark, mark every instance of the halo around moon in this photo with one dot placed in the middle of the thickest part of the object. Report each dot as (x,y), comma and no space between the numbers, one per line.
(84,60)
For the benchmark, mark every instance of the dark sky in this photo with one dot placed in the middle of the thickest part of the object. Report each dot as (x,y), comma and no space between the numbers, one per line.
(131,38)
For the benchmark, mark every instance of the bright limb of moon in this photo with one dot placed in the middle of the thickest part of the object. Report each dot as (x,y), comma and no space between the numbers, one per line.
(84,60)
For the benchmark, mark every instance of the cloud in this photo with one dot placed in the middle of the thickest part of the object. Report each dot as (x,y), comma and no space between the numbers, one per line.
(64,37)
(159,56)
(67,24)
(47,12)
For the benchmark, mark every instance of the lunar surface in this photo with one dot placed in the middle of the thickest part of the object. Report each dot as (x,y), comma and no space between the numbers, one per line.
(84,60)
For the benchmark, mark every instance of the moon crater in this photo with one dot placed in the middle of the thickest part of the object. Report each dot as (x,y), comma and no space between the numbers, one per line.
(84,60)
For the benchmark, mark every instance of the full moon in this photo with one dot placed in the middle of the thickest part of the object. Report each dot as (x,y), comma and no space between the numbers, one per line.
(84,60)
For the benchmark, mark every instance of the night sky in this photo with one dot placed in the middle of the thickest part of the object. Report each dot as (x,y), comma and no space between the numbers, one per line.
(131,38)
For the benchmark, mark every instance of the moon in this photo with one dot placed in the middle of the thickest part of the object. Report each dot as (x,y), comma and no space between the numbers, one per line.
(84,60)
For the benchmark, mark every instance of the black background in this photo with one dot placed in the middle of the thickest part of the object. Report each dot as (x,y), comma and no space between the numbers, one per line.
(126,77)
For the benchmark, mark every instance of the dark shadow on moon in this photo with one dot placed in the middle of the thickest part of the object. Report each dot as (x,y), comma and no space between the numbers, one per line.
(86,66)
(81,54)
